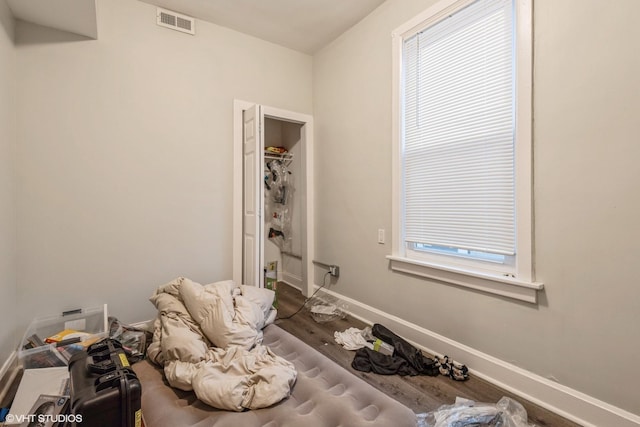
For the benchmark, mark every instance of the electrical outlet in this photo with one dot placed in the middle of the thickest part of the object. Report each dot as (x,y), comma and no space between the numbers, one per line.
(334,270)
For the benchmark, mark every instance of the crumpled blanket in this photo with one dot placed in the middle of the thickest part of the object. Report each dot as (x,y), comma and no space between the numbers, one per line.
(208,339)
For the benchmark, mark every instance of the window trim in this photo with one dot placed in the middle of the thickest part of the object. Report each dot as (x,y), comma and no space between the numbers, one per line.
(523,287)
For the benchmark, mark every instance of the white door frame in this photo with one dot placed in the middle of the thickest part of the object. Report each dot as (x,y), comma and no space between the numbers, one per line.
(307,222)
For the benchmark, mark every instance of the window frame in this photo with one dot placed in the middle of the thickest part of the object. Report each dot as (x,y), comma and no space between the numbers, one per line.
(518,283)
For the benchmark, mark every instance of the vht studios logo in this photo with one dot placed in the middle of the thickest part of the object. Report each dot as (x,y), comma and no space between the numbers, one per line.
(43,418)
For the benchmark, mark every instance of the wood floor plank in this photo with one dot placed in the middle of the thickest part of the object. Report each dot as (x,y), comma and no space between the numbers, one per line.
(11,389)
(420,393)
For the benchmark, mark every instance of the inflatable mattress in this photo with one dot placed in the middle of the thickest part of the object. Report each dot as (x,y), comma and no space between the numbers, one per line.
(324,395)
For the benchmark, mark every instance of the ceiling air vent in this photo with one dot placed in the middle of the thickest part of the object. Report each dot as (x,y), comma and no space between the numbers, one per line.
(176,21)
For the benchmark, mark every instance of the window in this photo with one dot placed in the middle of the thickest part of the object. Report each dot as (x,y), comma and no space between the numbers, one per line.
(462,130)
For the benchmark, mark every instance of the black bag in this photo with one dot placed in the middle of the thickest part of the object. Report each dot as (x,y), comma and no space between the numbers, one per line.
(421,363)
(104,389)
(367,360)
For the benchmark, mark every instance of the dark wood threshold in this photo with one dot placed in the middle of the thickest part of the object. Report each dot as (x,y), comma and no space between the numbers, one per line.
(420,393)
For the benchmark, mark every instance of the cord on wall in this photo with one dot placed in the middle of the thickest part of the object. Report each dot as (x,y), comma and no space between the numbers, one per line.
(334,270)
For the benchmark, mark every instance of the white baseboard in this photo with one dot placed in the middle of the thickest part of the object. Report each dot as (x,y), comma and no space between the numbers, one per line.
(292,280)
(564,401)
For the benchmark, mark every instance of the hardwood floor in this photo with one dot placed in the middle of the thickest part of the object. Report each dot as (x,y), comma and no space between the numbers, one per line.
(10,389)
(420,393)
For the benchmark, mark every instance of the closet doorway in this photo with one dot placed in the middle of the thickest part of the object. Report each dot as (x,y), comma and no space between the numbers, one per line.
(273,195)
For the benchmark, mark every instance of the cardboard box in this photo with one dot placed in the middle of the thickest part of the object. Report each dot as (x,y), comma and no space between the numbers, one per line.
(34,382)
(383,347)
(271,280)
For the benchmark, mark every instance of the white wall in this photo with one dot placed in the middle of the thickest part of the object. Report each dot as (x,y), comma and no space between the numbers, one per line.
(124,156)
(7,185)
(584,331)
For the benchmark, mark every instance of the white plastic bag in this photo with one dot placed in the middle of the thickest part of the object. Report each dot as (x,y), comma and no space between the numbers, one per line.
(325,309)
(468,413)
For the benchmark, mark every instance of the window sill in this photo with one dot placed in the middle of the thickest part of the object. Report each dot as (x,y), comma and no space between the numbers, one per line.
(503,286)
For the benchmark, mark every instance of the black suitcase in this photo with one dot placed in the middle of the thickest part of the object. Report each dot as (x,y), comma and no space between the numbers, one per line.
(105,392)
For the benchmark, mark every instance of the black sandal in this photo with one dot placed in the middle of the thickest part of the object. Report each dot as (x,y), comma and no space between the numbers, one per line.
(443,365)
(452,369)
(459,372)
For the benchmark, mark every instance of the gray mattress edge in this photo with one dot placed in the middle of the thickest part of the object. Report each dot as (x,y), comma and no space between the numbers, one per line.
(324,395)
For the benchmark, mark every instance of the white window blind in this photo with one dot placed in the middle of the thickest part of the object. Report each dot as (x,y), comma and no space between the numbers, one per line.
(458,127)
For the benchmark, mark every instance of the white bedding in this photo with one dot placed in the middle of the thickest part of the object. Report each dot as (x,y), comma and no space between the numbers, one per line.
(208,339)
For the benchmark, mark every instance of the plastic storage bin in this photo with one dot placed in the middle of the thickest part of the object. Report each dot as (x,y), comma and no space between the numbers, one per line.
(83,327)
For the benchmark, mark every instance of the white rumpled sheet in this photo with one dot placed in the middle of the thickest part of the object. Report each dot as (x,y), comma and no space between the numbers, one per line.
(208,339)
(354,338)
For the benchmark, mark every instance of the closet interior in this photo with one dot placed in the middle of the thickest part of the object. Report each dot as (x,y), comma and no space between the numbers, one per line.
(283,196)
